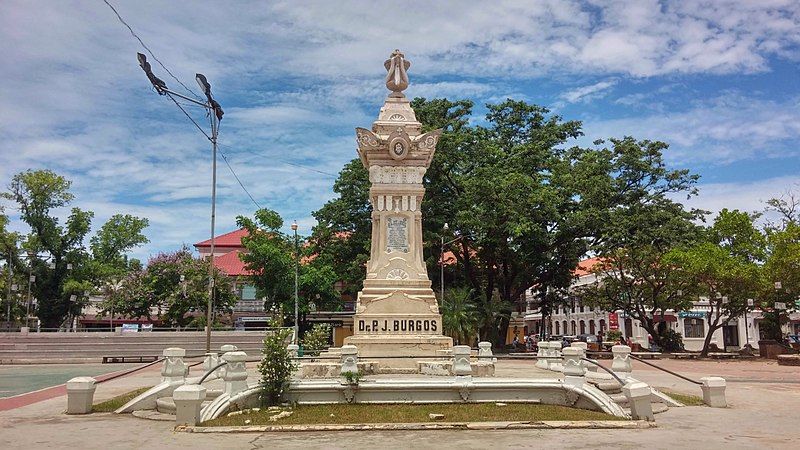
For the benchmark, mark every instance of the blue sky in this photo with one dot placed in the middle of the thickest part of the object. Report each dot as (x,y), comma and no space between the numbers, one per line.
(717,80)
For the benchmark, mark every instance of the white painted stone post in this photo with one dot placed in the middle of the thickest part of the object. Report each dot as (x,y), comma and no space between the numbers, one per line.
(461,366)
(554,363)
(174,368)
(235,375)
(211,360)
(542,350)
(621,365)
(638,395)
(714,392)
(348,359)
(293,349)
(583,347)
(227,348)
(80,394)
(188,403)
(485,352)
(573,366)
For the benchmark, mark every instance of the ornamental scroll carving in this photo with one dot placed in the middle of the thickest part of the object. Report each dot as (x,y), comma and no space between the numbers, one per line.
(366,138)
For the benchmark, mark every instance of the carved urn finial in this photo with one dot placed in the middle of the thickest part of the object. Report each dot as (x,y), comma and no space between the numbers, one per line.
(396,78)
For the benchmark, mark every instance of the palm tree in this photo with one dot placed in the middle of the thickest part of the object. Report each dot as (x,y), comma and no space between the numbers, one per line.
(459,315)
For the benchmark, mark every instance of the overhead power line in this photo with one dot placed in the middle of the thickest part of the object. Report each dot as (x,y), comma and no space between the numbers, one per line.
(133,33)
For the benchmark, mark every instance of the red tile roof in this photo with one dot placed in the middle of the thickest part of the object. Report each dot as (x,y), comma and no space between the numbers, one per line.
(231,264)
(585,267)
(232,239)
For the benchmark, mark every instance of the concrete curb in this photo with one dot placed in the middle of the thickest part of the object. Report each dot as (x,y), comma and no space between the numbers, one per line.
(520,425)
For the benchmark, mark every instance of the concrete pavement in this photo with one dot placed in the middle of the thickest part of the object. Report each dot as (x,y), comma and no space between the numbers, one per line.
(764,400)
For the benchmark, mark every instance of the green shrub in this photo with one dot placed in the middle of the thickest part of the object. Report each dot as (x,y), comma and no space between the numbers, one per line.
(671,341)
(316,339)
(276,367)
(613,336)
(352,378)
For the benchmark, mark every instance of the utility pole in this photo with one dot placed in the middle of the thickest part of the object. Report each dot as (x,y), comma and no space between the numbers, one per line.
(214,111)
(296,297)
(10,270)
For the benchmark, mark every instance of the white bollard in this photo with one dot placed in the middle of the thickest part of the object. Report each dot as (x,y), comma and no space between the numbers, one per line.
(584,348)
(554,362)
(349,359)
(638,395)
(235,375)
(293,349)
(714,392)
(461,365)
(541,351)
(188,403)
(174,368)
(225,348)
(621,365)
(80,394)
(485,352)
(573,366)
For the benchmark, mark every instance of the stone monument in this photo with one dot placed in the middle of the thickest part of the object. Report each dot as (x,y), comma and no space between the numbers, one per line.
(396,311)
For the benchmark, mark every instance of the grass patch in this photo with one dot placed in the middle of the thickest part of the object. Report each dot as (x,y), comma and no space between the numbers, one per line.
(113,404)
(412,413)
(686,399)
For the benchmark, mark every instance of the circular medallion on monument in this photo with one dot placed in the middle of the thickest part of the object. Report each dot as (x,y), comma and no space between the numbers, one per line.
(399,144)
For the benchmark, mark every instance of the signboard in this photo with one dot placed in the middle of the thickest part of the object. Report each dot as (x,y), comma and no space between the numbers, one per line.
(692,314)
(613,321)
(147,327)
(391,325)
(130,327)
(397,234)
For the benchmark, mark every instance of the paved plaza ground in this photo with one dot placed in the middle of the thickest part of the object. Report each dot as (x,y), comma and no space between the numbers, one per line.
(764,403)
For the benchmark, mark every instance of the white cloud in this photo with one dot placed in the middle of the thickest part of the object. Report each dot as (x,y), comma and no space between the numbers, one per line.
(748,197)
(728,128)
(590,92)
(295,78)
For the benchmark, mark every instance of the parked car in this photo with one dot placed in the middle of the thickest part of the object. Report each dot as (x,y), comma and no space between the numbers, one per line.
(588,338)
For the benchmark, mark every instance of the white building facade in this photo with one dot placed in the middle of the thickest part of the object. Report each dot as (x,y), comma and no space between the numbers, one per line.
(575,319)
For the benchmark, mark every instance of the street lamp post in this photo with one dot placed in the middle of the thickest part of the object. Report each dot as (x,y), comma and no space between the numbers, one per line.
(296,269)
(215,114)
(441,257)
(10,269)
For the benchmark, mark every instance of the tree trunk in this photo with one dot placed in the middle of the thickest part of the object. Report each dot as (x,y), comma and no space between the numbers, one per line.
(707,340)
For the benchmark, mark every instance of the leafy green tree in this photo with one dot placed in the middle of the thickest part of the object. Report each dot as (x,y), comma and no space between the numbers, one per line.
(37,193)
(459,315)
(341,239)
(270,257)
(120,234)
(181,301)
(723,268)
(782,264)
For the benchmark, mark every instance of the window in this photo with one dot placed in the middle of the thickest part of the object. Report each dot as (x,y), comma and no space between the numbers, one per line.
(581,307)
(558,328)
(693,328)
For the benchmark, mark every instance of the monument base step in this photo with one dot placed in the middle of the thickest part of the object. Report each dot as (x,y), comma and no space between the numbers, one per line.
(399,351)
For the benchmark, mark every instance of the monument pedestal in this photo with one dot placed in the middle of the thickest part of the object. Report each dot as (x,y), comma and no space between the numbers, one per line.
(396,312)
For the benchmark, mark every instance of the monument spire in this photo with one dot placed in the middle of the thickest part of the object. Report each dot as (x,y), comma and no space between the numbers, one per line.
(396,311)
(397,77)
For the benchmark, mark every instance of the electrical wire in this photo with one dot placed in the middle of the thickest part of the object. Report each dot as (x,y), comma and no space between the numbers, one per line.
(225,158)
(133,33)
(189,117)
(280,160)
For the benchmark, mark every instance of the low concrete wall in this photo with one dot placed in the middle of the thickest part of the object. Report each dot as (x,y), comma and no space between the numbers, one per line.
(452,390)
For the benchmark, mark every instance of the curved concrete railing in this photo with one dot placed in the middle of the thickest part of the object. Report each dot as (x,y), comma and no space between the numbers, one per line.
(453,390)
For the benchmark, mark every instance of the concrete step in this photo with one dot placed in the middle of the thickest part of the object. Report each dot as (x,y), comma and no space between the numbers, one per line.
(166,405)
